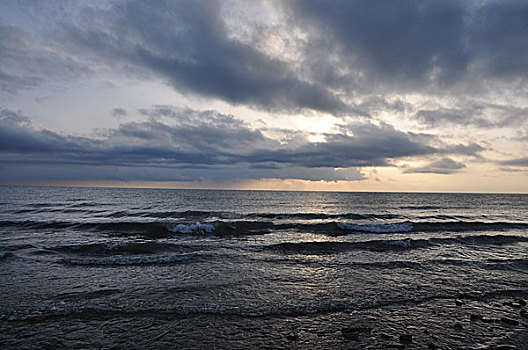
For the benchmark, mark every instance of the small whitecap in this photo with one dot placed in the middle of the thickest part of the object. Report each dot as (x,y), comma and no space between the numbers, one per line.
(378,228)
(193,228)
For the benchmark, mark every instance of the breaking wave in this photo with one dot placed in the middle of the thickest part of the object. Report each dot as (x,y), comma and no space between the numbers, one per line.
(251,227)
(315,248)
(378,228)
(196,228)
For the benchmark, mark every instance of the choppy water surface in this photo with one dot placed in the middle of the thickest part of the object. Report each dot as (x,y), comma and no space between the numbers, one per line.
(143,268)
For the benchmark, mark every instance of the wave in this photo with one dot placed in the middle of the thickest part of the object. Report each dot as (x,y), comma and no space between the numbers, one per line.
(199,214)
(16,247)
(88,204)
(250,227)
(84,295)
(448,226)
(315,248)
(188,214)
(44,205)
(378,228)
(461,226)
(122,260)
(322,216)
(423,207)
(115,248)
(37,224)
(196,228)
(520,264)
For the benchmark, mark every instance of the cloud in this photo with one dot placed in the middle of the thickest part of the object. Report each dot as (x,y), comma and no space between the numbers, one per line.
(119,112)
(188,45)
(201,145)
(26,63)
(498,40)
(511,170)
(395,41)
(369,145)
(432,66)
(341,57)
(416,46)
(481,115)
(441,166)
(471,149)
(523,162)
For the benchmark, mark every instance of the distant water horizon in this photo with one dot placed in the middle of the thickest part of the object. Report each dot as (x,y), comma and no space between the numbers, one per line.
(88,267)
(245,189)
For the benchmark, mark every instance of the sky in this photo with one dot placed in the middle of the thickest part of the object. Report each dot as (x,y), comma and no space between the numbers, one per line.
(339,95)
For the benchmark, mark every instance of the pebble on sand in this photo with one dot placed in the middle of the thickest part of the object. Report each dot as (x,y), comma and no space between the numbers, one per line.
(405,338)
(475,317)
(292,337)
(509,321)
(352,333)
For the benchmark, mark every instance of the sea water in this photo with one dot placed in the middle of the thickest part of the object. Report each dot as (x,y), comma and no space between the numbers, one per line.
(152,268)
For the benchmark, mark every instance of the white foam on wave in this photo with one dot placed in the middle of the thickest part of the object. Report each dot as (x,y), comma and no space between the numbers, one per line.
(378,228)
(406,243)
(193,228)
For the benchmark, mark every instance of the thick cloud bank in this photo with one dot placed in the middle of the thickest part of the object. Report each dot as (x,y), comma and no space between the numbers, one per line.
(189,145)
(328,51)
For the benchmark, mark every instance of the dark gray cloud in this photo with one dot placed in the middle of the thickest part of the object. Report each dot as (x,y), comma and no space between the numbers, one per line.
(523,162)
(188,45)
(442,116)
(393,41)
(441,166)
(346,51)
(200,145)
(498,38)
(412,45)
(482,115)
(119,112)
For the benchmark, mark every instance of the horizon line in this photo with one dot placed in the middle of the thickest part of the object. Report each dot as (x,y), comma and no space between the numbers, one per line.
(241,189)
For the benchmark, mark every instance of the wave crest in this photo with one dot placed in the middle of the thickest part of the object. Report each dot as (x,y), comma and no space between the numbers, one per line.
(378,228)
(330,247)
(196,228)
